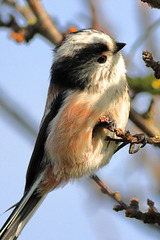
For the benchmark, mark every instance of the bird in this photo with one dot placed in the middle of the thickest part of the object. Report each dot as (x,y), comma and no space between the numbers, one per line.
(87,82)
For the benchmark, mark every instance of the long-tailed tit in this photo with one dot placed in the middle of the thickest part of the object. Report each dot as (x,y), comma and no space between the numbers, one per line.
(88,81)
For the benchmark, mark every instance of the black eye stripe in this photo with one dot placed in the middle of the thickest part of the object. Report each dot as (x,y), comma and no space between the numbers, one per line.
(66,71)
(90,50)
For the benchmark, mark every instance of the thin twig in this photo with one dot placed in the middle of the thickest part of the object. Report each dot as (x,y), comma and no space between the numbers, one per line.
(152,3)
(20,34)
(149,61)
(152,216)
(106,190)
(94,20)
(25,11)
(41,23)
(11,23)
(126,137)
(139,139)
(47,27)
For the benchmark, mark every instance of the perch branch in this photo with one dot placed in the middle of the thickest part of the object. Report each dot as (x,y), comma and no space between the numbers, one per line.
(126,137)
(152,216)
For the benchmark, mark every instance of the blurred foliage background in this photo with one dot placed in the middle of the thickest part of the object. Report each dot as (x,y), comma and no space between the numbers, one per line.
(25,60)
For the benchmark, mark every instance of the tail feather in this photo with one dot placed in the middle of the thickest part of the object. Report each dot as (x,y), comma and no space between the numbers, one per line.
(21,214)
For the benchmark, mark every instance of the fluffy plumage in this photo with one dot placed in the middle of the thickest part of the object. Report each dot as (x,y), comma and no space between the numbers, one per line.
(87,82)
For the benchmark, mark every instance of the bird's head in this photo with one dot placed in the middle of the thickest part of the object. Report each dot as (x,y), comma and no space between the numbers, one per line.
(86,59)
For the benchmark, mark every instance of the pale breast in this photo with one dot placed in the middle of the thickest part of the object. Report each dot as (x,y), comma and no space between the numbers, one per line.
(71,143)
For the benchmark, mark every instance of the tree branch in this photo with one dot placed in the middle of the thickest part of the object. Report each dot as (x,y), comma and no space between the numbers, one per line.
(38,21)
(152,216)
(126,137)
(47,27)
(104,189)
(147,126)
(94,20)
(152,3)
(20,34)
(149,61)
(10,24)
(25,11)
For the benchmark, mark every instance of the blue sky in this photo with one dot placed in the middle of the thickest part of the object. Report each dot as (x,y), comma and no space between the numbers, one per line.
(75,211)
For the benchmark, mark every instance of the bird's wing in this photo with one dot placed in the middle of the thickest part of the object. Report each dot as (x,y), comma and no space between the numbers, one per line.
(35,165)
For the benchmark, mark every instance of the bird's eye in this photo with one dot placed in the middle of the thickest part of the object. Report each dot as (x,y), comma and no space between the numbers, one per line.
(102,59)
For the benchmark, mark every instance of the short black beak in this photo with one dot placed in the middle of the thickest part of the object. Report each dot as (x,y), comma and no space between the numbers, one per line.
(119,46)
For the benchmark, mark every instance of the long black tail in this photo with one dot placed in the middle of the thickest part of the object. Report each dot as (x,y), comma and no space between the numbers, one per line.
(22,213)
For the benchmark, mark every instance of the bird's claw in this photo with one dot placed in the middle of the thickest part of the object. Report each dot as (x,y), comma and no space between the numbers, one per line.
(141,141)
(108,122)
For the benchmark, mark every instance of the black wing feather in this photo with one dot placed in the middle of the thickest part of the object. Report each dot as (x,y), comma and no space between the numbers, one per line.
(35,165)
